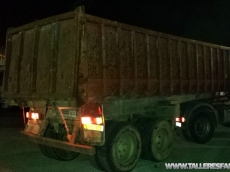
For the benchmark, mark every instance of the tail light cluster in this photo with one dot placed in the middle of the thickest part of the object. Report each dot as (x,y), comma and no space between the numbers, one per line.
(34,115)
(179,121)
(92,118)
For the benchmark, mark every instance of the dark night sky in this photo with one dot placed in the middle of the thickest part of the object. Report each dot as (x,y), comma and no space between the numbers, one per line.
(203,20)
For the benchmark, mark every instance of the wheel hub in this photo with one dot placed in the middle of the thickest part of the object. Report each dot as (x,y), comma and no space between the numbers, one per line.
(161,139)
(202,127)
(126,147)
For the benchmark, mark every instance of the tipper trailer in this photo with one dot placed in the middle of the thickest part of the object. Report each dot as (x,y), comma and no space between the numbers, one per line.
(113,91)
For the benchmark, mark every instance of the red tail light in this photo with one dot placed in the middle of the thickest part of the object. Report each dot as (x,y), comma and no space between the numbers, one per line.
(33,115)
(92,118)
(180,119)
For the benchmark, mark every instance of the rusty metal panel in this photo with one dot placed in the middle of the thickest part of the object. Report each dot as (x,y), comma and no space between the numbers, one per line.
(184,67)
(91,64)
(140,57)
(201,69)
(44,59)
(27,61)
(110,61)
(65,57)
(164,62)
(221,70)
(13,69)
(93,50)
(214,69)
(41,60)
(208,69)
(153,64)
(126,61)
(175,67)
(192,68)
(226,70)
(72,55)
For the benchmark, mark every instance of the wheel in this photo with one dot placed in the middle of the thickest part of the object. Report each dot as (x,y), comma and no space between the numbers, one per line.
(61,154)
(122,148)
(156,137)
(47,150)
(95,160)
(202,127)
(57,153)
(161,140)
(125,149)
(98,160)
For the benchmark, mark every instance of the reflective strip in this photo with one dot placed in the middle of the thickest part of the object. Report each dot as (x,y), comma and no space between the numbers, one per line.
(93,127)
(178,124)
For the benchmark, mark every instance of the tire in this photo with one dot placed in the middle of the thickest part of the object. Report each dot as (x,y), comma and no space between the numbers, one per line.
(57,153)
(124,148)
(143,125)
(156,137)
(98,160)
(47,150)
(61,154)
(202,127)
(95,161)
(121,150)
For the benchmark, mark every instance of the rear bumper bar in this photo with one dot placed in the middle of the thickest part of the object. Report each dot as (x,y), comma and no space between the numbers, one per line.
(83,149)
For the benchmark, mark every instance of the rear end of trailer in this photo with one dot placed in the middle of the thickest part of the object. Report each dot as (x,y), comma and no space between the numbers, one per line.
(82,98)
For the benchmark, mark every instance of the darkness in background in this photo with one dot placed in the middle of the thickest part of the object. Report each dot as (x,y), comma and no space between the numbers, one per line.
(201,20)
(1,78)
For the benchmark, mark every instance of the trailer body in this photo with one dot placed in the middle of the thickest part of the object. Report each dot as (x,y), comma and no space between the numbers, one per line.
(55,57)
